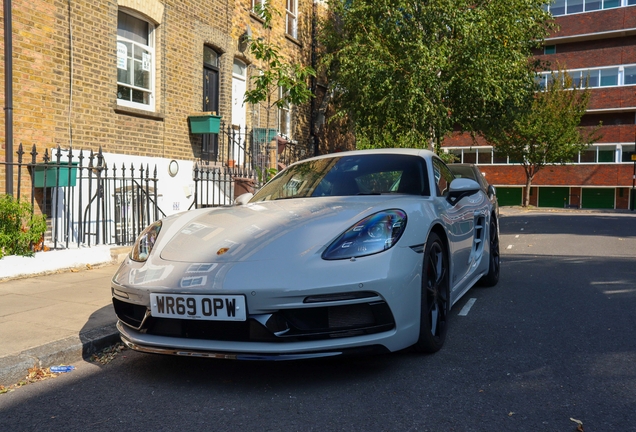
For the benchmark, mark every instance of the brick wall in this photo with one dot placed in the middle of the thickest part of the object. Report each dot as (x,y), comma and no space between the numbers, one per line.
(68,97)
(598,21)
(297,50)
(562,175)
(593,53)
(622,198)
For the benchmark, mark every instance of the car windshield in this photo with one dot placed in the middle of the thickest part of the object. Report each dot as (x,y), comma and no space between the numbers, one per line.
(347,175)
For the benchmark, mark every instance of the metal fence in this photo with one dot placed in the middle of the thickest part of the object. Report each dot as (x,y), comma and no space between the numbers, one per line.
(219,185)
(86,202)
(258,149)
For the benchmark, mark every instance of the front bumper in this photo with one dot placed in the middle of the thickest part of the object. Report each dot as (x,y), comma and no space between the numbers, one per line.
(129,341)
(324,320)
(327,309)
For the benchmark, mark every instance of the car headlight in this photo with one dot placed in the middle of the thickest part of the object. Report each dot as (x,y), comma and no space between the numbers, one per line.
(373,234)
(145,242)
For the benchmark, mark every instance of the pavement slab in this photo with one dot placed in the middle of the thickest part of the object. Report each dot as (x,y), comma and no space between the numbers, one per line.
(55,316)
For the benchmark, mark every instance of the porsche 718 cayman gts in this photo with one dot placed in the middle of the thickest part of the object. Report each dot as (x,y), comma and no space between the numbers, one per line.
(360,251)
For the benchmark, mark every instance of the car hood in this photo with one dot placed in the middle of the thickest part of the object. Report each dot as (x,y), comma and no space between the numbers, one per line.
(265,230)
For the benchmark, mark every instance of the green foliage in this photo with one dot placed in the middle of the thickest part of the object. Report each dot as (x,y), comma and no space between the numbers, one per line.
(19,227)
(407,72)
(275,72)
(546,130)
(265,174)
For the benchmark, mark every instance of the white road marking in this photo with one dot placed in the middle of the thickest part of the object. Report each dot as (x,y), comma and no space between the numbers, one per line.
(467,307)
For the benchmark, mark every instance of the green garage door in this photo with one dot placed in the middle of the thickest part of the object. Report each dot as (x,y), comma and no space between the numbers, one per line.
(554,196)
(509,196)
(597,198)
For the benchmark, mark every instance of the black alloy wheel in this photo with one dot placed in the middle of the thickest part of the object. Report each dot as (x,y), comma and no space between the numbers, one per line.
(492,277)
(435,297)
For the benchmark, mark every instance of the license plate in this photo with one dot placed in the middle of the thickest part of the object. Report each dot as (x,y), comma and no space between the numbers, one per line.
(202,307)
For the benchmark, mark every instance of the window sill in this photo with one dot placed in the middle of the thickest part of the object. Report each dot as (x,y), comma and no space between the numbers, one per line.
(256,17)
(293,39)
(139,113)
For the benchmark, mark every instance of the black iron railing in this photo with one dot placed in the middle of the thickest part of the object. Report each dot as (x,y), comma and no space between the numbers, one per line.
(86,202)
(258,149)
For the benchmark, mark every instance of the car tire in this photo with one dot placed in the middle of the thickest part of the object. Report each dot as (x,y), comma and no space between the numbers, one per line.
(492,277)
(435,301)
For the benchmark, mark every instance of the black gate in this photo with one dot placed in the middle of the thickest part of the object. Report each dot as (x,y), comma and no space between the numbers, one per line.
(85,201)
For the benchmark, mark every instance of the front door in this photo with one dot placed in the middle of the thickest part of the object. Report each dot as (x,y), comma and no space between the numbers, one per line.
(238,109)
(210,142)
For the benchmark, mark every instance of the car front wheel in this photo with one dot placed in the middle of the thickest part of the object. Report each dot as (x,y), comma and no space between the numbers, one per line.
(435,297)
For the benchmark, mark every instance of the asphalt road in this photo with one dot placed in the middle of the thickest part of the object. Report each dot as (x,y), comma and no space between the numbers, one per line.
(555,340)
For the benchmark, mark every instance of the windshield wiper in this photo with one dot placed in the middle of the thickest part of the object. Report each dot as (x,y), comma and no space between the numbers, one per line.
(291,197)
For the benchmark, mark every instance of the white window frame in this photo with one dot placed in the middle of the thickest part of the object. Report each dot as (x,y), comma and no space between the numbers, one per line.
(602,6)
(291,18)
(284,115)
(597,148)
(624,148)
(543,79)
(257,2)
(617,149)
(151,50)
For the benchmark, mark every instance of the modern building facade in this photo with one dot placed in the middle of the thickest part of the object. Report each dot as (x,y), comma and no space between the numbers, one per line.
(595,40)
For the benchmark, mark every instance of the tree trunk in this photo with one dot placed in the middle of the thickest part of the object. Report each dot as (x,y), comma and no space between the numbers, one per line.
(526,195)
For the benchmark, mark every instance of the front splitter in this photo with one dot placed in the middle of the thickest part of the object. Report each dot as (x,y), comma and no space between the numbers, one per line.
(246,356)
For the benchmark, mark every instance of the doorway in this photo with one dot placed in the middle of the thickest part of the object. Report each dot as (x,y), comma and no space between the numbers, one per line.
(239,86)
(210,142)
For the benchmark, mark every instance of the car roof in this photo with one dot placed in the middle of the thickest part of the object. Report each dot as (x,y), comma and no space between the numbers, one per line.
(397,151)
(463,165)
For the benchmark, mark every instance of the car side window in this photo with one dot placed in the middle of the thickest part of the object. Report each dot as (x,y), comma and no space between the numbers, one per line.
(443,177)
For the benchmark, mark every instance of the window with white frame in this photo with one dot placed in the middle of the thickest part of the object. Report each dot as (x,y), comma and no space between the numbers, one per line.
(291,18)
(484,156)
(598,153)
(566,7)
(135,62)
(257,4)
(284,116)
(627,151)
(610,76)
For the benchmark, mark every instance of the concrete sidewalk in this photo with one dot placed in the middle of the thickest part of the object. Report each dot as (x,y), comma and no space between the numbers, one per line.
(55,316)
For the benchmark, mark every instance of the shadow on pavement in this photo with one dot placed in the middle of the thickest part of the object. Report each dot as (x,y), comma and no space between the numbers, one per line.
(99,331)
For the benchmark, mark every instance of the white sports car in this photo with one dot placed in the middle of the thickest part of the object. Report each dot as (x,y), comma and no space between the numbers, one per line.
(347,252)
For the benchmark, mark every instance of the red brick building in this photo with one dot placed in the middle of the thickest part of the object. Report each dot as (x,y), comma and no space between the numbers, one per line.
(596,39)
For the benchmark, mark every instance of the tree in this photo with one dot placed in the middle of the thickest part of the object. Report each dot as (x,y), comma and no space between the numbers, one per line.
(409,72)
(547,131)
(274,72)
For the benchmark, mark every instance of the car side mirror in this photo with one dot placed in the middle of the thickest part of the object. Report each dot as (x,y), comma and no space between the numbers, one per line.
(243,199)
(460,188)
(492,191)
